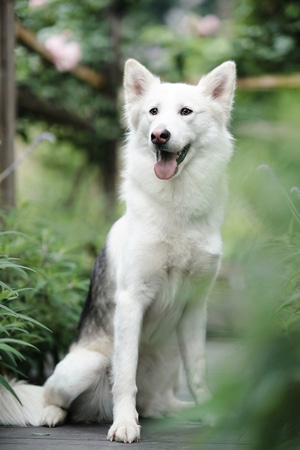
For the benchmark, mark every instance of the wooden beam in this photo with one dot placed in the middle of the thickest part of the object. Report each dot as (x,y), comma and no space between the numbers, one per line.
(29,39)
(7,100)
(269,82)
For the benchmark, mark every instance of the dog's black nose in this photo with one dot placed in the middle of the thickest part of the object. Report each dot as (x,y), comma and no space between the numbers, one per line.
(160,136)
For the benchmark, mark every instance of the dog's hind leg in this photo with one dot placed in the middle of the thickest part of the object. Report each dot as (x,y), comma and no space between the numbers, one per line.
(192,336)
(75,374)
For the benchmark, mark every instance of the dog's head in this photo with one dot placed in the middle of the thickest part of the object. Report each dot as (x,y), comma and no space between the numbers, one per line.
(175,120)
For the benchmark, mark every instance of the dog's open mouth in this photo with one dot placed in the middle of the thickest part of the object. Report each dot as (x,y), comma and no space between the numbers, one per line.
(167,163)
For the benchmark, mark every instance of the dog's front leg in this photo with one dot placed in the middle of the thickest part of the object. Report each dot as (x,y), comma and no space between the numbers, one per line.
(128,321)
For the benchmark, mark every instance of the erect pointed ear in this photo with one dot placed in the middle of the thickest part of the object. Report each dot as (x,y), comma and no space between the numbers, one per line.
(219,84)
(137,80)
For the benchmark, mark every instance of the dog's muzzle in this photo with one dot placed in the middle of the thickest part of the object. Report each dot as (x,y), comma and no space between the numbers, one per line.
(167,163)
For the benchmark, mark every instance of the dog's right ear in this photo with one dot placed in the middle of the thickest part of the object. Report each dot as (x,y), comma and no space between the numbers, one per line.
(137,80)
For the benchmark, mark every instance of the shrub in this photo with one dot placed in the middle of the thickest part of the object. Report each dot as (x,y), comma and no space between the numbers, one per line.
(13,323)
(57,289)
(262,396)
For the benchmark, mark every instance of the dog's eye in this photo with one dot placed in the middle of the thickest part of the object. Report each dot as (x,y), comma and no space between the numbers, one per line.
(185,112)
(153,111)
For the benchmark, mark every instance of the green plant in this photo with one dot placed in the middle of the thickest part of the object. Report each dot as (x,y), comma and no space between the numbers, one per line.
(58,287)
(262,396)
(268,36)
(13,323)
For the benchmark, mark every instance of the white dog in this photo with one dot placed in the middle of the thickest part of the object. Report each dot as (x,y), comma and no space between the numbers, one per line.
(142,316)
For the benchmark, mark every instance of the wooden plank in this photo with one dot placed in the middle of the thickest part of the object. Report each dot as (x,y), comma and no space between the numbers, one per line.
(7,100)
(269,82)
(69,437)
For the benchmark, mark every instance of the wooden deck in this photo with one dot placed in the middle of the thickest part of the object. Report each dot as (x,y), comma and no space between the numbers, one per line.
(155,434)
(189,436)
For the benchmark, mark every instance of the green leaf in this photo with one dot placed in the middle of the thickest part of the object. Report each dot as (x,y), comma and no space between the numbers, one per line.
(7,386)
(16,341)
(8,310)
(35,322)
(8,349)
(23,317)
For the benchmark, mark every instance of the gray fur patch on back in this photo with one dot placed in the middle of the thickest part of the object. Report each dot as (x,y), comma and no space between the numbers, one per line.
(98,311)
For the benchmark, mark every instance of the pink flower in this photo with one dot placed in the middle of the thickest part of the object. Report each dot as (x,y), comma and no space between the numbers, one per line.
(208,25)
(66,55)
(36,3)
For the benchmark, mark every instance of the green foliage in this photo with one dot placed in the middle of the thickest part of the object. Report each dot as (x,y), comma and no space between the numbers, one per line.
(268,36)
(179,56)
(90,24)
(58,287)
(266,392)
(259,393)
(15,327)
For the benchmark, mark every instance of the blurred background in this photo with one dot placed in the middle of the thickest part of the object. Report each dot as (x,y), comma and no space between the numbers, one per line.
(58,205)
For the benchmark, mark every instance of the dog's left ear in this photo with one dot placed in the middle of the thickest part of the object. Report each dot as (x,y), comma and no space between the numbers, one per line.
(137,80)
(219,84)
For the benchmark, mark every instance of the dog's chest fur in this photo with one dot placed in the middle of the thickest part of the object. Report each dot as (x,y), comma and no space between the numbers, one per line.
(179,258)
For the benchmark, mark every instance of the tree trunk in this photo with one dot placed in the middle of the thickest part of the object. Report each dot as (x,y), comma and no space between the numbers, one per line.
(7,100)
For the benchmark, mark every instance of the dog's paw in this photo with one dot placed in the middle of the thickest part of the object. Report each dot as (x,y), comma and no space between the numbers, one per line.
(53,416)
(126,432)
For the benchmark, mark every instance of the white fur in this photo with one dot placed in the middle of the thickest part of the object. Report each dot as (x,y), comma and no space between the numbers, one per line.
(12,413)
(171,230)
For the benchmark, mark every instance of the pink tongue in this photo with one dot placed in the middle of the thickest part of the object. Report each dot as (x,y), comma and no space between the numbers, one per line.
(165,169)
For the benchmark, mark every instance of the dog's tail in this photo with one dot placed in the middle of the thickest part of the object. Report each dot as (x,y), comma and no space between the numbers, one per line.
(28,412)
